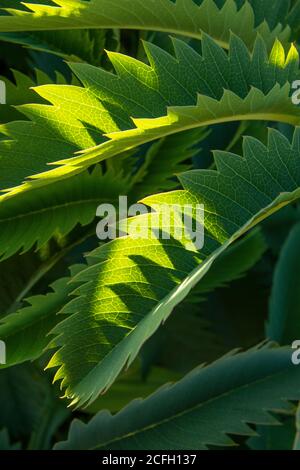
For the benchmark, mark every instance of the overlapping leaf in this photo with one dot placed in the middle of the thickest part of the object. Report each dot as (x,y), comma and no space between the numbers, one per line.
(59,208)
(180,16)
(34,219)
(193,90)
(34,320)
(133,288)
(232,265)
(75,45)
(21,92)
(129,288)
(192,413)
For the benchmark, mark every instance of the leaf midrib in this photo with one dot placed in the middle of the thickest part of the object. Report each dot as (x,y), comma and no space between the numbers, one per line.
(189,410)
(57,206)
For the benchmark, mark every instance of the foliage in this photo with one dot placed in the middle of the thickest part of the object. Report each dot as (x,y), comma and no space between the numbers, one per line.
(156,342)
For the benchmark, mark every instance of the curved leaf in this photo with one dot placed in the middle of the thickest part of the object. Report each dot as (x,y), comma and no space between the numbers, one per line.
(180,17)
(133,288)
(190,414)
(58,209)
(243,87)
(284,319)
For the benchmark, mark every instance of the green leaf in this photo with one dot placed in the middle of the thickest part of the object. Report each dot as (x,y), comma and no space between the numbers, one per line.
(284,320)
(5,443)
(131,386)
(75,45)
(32,411)
(232,265)
(21,92)
(190,414)
(53,415)
(35,320)
(244,87)
(133,288)
(35,220)
(293,18)
(273,13)
(180,17)
(279,437)
(40,316)
(14,275)
(22,393)
(297,437)
(186,340)
(164,159)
